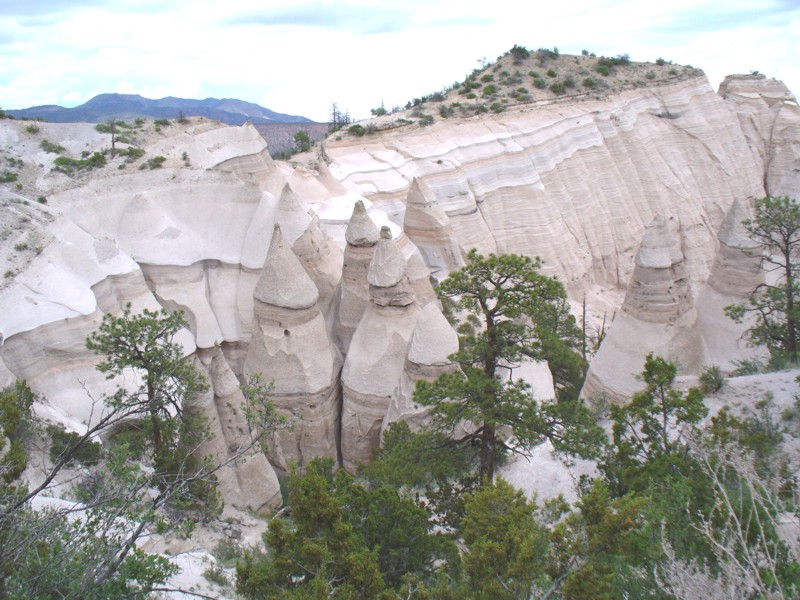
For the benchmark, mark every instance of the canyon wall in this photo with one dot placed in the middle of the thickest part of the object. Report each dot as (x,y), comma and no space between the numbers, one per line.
(631,195)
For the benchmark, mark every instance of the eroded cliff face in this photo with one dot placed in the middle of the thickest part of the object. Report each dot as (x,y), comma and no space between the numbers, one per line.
(345,321)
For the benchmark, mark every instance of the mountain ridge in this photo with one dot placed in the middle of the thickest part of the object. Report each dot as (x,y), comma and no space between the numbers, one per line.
(104,107)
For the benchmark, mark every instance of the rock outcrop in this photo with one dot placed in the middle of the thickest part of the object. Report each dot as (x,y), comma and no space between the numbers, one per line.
(290,347)
(345,335)
(362,235)
(657,316)
(377,352)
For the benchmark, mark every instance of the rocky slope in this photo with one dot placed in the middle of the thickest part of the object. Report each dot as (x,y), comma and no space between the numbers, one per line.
(624,194)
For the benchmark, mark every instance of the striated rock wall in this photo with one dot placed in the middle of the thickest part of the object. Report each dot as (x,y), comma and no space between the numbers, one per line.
(346,323)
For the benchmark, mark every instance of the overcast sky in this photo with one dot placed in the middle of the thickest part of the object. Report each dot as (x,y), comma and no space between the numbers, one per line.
(298,57)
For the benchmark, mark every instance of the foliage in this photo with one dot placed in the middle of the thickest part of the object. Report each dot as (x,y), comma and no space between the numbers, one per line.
(519,54)
(711,379)
(510,313)
(378,112)
(8,177)
(90,549)
(48,146)
(302,141)
(161,122)
(67,165)
(67,443)
(342,539)
(507,549)
(774,304)
(648,431)
(357,130)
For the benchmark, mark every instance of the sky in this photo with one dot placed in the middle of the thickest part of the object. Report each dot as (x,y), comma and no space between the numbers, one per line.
(299,57)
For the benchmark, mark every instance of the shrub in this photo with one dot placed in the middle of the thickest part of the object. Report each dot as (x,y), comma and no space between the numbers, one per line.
(650,75)
(425,120)
(378,112)
(557,87)
(32,128)
(602,69)
(68,165)
(752,366)
(534,74)
(161,122)
(569,82)
(540,83)
(21,247)
(551,73)
(50,147)
(497,107)
(490,90)
(156,162)
(357,130)
(62,442)
(673,71)
(519,53)
(487,78)
(8,177)
(216,574)
(660,62)
(711,380)
(42,200)
(590,82)
(139,121)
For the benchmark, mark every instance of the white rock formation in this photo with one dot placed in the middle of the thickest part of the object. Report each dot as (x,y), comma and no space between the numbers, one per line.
(377,353)
(290,346)
(362,235)
(429,228)
(432,343)
(657,316)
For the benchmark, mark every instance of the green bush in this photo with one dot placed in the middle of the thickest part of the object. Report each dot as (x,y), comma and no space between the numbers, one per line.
(660,62)
(569,82)
(68,165)
(650,75)
(540,83)
(490,90)
(50,147)
(161,122)
(711,380)
(557,87)
(32,128)
(497,107)
(156,162)
(534,74)
(357,130)
(42,200)
(8,177)
(602,69)
(425,120)
(590,82)
(487,78)
(673,71)
(552,73)
(63,442)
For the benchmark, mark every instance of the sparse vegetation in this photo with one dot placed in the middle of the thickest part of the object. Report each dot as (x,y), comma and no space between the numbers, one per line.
(68,165)
(8,177)
(711,379)
(52,148)
(32,129)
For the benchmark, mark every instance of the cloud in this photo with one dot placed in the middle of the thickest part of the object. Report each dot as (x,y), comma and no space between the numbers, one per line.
(340,16)
(706,19)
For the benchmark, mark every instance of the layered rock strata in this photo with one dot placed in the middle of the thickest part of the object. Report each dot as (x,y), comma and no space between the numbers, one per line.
(362,235)
(429,228)
(377,352)
(657,316)
(432,342)
(249,482)
(290,346)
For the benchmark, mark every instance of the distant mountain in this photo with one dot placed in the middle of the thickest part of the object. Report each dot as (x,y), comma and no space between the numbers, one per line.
(130,106)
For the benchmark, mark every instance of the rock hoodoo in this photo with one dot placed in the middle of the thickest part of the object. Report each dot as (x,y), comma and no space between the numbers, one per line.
(291,347)
(377,352)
